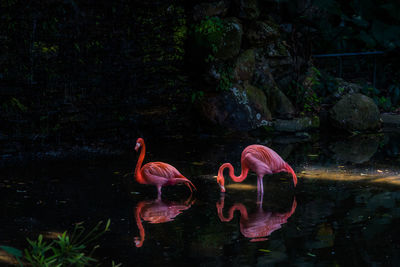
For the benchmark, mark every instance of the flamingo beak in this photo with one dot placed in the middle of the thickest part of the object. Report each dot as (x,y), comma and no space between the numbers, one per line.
(138,243)
(222,188)
(137,147)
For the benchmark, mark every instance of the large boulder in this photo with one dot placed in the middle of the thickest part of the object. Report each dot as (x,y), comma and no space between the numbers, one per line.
(244,67)
(247,9)
(261,33)
(204,10)
(229,46)
(236,109)
(355,112)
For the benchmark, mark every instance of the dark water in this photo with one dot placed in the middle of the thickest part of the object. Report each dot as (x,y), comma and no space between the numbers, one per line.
(344,211)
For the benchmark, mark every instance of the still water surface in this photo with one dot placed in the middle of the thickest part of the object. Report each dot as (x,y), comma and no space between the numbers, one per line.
(344,211)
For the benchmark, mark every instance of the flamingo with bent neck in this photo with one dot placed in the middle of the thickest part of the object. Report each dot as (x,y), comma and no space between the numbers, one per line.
(260,159)
(158,173)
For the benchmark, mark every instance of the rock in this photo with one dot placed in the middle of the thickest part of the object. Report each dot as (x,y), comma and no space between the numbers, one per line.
(231,39)
(261,33)
(248,9)
(233,109)
(272,70)
(204,10)
(357,149)
(355,112)
(296,125)
(258,100)
(244,67)
(279,104)
(276,49)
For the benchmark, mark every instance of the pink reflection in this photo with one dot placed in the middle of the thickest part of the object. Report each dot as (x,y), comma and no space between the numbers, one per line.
(259,225)
(158,211)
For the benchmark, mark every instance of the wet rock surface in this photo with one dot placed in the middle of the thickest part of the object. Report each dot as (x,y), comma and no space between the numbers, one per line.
(296,125)
(237,109)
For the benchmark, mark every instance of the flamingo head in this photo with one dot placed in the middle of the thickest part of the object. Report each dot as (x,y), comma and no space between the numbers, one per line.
(139,143)
(138,242)
(221,182)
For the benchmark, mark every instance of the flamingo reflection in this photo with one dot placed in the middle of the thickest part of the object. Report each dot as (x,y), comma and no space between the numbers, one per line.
(259,225)
(158,211)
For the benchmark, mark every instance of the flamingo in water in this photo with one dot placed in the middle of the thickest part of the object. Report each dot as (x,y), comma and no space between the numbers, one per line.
(260,159)
(157,173)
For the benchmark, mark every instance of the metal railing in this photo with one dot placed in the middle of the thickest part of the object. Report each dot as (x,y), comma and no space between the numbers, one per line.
(341,55)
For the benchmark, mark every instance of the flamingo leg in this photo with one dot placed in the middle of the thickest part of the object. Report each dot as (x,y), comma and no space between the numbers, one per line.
(260,189)
(159,191)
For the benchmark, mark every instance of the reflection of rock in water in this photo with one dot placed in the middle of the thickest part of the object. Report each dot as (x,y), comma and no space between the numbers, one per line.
(357,149)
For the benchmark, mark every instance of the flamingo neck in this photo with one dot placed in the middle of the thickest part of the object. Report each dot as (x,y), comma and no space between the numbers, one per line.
(138,173)
(237,179)
(237,206)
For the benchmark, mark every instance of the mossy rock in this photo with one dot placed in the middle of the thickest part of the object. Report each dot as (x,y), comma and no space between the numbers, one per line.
(355,112)
(261,33)
(247,9)
(279,103)
(258,100)
(231,40)
(245,65)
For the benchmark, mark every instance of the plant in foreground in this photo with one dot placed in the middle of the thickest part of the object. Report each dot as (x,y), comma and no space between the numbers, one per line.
(73,249)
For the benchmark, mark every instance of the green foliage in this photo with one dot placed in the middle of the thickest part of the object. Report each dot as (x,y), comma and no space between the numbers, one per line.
(13,105)
(226,77)
(197,95)
(209,33)
(308,95)
(67,250)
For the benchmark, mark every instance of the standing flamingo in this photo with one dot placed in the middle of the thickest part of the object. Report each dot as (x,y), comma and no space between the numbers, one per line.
(157,173)
(261,160)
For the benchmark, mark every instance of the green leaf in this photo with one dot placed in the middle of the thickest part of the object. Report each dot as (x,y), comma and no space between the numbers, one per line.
(264,250)
(13,251)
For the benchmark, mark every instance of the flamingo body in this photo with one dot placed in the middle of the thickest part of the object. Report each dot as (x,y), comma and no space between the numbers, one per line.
(260,159)
(158,173)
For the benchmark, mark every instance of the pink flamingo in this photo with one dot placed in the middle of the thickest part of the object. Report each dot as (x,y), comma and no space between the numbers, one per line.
(259,225)
(261,160)
(157,173)
(157,211)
